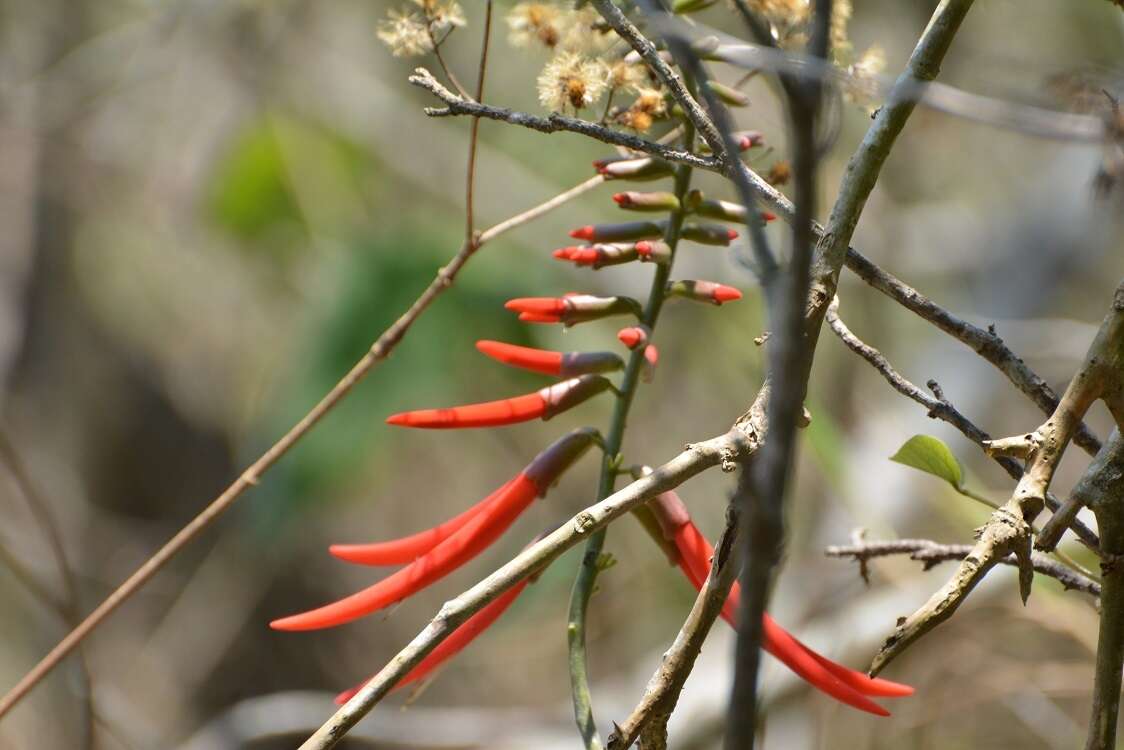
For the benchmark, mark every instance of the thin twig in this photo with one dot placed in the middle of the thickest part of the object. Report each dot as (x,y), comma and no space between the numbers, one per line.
(941,408)
(1100,377)
(441,60)
(931,553)
(648,720)
(470,172)
(553,123)
(379,351)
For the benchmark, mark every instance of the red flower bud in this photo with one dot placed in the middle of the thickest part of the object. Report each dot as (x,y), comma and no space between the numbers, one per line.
(550,363)
(703,291)
(652,202)
(651,359)
(709,234)
(492,517)
(640,169)
(653,251)
(543,403)
(631,230)
(633,336)
(572,308)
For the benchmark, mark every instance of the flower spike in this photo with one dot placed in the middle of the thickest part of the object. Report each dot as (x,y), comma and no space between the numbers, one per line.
(542,404)
(703,291)
(551,363)
(472,538)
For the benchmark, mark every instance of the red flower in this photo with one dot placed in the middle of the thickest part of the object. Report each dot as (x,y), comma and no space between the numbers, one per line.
(703,291)
(633,336)
(562,364)
(572,308)
(454,643)
(453,543)
(542,404)
(841,683)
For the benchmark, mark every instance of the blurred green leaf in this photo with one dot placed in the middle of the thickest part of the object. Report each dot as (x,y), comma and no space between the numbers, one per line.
(932,456)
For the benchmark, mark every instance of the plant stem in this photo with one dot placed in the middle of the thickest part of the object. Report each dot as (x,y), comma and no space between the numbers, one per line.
(587,572)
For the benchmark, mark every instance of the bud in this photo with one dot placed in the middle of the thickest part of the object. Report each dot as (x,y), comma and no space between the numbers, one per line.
(745,140)
(703,291)
(638,170)
(652,202)
(634,336)
(599,255)
(651,359)
(653,251)
(577,308)
(709,234)
(691,6)
(725,210)
(632,230)
(728,94)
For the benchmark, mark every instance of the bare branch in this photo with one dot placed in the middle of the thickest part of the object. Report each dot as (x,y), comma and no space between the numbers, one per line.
(931,553)
(554,123)
(941,408)
(1101,376)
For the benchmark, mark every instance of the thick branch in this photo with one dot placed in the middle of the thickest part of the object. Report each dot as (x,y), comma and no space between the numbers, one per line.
(1101,375)
(931,553)
(553,123)
(941,408)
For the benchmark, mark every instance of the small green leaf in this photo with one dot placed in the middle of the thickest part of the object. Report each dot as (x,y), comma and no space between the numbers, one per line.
(932,456)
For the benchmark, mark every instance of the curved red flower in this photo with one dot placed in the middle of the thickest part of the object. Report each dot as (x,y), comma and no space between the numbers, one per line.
(466,542)
(845,685)
(455,643)
(542,404)
(564,364)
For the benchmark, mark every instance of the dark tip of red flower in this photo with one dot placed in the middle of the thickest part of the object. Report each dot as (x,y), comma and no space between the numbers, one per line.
(768,216)
(583,233)
(731,234)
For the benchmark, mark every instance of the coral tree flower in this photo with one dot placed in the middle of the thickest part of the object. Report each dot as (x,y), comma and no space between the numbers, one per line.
(444,548)
(843,684)
(542,404)
(455,643)
(563,364)
(571,309)
(703,291)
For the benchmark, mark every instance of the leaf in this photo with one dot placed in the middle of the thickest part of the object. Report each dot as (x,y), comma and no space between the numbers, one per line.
(932,456)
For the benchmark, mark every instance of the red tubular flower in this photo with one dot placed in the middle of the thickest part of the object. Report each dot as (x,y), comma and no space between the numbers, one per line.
(709,234)
(542,404)
(703,291)
(624,232)
(551,363)
(841,683)
(658,202)
(637,170)
(476,534)
(651,359)
(455,643)
(572,308)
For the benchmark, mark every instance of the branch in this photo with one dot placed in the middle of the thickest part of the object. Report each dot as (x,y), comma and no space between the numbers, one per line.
(553,123)
(1008,531)
(724,450)
(648,721)
(931,553)
(1107,460)
(379,351)
(1103,490)
(941,408)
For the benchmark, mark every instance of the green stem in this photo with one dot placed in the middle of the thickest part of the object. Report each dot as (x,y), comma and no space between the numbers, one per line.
(586,579)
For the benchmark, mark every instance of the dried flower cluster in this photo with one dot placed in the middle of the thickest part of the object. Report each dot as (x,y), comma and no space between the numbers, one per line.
(410,33)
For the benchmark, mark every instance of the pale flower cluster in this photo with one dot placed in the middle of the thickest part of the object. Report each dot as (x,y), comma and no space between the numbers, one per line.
(572,80)
(410,33)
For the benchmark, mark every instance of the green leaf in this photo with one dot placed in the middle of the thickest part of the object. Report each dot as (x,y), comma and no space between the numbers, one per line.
(932,456)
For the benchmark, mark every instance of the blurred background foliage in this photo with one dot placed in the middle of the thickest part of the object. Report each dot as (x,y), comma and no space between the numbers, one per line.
(211,209)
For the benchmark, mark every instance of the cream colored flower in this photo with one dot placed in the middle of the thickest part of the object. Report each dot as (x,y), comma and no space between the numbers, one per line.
(442,16)
(573,80)
(862,84)
(535,23)
(841,12)
(405,33)
(627,77)
(585,31)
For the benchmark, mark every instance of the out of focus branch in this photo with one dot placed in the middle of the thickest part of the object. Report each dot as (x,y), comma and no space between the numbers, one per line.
(930,554)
